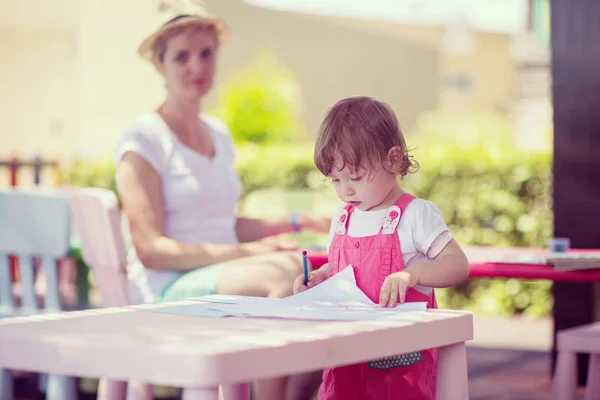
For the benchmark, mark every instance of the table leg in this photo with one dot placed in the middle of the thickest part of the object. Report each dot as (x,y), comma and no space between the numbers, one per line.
(592,391)
(6,384)
(109,390)
(61,387)
(236,391)
(452,378)
(137,390)
(210,393)
(564,383)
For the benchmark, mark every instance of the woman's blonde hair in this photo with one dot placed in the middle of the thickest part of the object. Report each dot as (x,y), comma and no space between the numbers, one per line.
(159,46)
(179,16)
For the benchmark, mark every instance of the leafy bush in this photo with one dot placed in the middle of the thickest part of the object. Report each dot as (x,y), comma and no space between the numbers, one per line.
(489,193)
(276,166)
(261,104)
(97,173)
(487,198)
(491,201)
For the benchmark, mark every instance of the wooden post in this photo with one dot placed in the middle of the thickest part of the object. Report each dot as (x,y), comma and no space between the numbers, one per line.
(575,29)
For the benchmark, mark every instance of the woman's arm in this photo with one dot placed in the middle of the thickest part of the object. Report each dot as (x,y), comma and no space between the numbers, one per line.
(250,229)
(140,193)
(450,267)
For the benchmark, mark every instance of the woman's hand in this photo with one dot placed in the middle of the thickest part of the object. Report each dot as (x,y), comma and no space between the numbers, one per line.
(269,245)
(280,244)
(253,229)
(393,290)
(314,223)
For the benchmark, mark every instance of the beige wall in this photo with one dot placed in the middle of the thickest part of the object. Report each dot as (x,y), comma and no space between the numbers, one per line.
(333,61)
(38,94)
(110,85)
(490,63)
(84,55)
(492,69)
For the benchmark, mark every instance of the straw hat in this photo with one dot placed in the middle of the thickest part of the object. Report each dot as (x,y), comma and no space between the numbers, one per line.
(180,13)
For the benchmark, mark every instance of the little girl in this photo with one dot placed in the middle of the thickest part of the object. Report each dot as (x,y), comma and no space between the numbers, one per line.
(399,246)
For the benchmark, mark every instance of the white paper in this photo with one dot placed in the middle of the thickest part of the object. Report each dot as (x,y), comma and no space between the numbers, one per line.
(336,299)
(339,296)
(339,288)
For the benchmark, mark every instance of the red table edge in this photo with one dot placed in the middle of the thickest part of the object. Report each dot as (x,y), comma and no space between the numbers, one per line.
(532,272)
(504,270)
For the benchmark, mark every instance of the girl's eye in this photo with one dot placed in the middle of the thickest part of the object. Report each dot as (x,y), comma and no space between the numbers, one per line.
(356,179)
(206,53)
(334,180)
(182,57)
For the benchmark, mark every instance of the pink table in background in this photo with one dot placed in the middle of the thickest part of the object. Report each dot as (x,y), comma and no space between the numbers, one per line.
(198,354)
(524,263)
(507,262)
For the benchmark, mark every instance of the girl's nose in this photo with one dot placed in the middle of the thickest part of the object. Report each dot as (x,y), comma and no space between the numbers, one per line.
(197,66)
(348,190)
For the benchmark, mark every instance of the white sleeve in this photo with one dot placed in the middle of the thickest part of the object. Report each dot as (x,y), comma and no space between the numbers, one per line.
(146,144)
(429,225)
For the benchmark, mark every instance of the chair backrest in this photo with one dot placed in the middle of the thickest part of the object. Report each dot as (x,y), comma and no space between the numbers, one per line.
(34,227)
(95,214)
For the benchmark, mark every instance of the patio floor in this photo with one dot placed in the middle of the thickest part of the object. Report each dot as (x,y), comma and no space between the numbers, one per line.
(502,374)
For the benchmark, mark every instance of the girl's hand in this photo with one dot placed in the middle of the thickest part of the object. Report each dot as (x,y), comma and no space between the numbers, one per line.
(314,278)
(393,290)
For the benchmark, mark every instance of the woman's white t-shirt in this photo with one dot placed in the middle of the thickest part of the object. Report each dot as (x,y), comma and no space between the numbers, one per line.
(422,231)
(199,194)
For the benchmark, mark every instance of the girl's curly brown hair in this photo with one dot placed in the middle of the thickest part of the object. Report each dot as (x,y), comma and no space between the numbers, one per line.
(361,131)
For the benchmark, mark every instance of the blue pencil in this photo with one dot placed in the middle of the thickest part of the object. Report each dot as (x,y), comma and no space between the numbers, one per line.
(305,261)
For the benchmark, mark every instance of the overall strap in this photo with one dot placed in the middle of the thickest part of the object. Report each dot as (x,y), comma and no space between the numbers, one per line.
(394,214)
(404,201)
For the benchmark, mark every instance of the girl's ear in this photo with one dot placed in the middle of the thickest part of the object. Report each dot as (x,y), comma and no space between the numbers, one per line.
(395,159)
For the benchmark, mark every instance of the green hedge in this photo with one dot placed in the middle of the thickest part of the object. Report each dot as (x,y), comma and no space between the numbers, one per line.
(491,199)
(82,173)
(495,198)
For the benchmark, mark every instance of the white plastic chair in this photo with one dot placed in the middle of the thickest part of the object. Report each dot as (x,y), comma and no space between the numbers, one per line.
(95,214)
(36,228)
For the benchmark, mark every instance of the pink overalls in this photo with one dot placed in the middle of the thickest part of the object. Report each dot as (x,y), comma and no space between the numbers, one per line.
(405,376)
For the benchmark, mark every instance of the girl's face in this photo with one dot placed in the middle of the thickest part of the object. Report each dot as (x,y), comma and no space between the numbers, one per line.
(189,62)
(365,189)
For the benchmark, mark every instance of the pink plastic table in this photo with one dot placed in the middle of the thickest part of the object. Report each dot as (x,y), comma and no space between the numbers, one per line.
(198,354)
